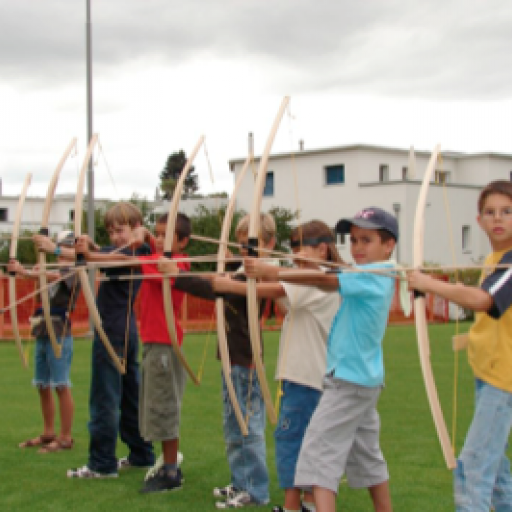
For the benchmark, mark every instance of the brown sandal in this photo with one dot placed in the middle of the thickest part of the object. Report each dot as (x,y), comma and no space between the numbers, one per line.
(41,440)
(57,445)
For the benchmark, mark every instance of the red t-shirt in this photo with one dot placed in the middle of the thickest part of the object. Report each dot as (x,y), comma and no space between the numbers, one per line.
(153,326)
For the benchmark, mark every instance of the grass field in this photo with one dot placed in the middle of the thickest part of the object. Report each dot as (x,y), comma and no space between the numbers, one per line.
(419,478)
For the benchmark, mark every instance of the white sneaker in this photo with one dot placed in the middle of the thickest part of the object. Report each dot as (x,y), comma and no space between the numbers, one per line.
(85,472)
(238,500)
(124,463)
(224,492)
(158,464)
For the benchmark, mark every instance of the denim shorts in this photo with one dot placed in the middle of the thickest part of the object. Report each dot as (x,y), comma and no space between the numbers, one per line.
(50,371)
(297,406)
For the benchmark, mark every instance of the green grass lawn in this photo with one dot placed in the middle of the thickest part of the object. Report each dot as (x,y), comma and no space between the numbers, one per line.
(419,479)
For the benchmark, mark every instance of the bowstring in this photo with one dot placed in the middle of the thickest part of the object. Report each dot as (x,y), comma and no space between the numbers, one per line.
(291,313)
(101,153)
(442,177)
(202,363)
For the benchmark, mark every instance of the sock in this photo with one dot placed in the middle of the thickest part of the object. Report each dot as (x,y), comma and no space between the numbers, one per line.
(310,507)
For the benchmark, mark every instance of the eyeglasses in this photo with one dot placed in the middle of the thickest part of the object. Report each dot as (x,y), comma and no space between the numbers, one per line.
(504,213)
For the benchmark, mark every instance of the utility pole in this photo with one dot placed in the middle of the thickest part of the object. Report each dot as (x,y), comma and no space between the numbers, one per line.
(90,172)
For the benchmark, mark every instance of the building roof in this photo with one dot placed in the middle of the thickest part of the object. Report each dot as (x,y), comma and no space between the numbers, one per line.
(370,148)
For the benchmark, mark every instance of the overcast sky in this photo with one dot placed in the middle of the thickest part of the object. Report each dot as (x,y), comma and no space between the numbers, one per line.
(386,72)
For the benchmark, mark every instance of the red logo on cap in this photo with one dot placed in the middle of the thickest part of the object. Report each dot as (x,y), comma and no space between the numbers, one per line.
(365,214)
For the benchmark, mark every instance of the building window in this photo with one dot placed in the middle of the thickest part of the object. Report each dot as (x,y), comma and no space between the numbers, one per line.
(404,173)
(3,214)
(466,238)
(71,215)
(269,184)
(334,174)
(442,177)
(383,173)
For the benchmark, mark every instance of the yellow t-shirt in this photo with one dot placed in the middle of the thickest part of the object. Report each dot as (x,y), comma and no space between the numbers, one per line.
(490,337)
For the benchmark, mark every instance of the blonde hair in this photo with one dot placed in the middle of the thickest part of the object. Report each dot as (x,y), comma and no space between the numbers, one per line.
(314,233)
(121,213)
(267,227)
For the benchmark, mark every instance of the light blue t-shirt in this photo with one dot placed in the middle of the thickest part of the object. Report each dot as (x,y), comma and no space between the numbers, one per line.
(354,347)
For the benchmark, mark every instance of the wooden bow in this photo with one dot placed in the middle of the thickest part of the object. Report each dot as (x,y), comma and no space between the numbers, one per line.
(421,318)
(169,237)
(219,302)
(82,273)
(43,284)
(254,235)
(12,277)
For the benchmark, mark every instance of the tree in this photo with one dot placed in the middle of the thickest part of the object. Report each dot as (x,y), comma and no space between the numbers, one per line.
(171,174)
(143,205)
(26,253)
(208,223)
(283,219)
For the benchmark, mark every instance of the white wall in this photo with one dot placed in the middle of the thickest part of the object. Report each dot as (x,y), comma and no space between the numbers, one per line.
(316,200)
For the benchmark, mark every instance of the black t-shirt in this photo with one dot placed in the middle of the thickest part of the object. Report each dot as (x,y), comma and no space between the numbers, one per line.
(114,297)
(63,296)
(235,313)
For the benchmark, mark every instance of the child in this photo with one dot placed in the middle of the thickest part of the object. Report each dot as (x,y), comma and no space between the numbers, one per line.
(305,328)
(163,377)
(482,476)
(113,400)
(51,372)
(246,454)
(343,435)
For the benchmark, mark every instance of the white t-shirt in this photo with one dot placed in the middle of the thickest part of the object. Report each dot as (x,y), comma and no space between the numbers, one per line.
(303,344)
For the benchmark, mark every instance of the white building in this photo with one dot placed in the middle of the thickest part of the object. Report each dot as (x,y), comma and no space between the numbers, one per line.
(338,182)
(63,208)
(61,214)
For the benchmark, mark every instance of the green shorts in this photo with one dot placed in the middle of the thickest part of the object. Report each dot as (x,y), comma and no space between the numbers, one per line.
(162,384)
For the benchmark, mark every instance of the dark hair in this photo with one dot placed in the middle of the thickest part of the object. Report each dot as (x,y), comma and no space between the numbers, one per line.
(385,235)
(183,225)
(314,233)
(502,187)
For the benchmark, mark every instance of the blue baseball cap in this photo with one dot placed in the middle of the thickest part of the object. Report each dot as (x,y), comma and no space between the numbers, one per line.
(370,218)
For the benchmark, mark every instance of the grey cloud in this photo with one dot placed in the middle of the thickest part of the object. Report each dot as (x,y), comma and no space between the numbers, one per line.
(432,49)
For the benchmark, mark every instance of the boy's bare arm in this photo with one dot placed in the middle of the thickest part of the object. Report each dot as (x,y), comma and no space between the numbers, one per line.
(256,269)
(141,235)
(469,297)
(222,284)
(83,246)
(46,244)
(16,267)
(318,278)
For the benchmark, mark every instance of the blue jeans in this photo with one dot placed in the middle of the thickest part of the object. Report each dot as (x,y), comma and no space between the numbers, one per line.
(482,476)
(114,408)
(246,454)
(298,404)
(50,371)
